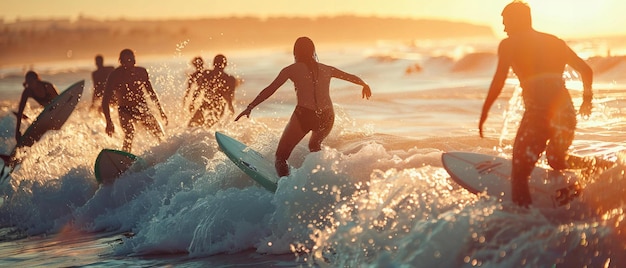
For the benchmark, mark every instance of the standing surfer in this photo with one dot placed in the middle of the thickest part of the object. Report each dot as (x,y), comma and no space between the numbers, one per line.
(41,91)
(538,59)
(314,110)
(128,84)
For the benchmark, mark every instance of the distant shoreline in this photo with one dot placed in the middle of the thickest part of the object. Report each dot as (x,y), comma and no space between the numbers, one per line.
(36,41)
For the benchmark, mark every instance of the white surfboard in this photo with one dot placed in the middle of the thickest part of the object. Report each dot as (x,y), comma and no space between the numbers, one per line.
(111,164)
(52,117)
(54,114)
(491,174)
(249,161)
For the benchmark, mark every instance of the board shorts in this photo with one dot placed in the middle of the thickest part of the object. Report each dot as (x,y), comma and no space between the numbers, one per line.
(314,120)
(130,115)
(549,131)
(132,112)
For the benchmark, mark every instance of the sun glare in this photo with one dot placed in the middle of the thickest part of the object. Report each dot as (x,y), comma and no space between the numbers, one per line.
(569,16)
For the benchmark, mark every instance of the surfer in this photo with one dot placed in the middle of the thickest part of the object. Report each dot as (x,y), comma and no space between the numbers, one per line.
(314,110)
(128,84)
(549,121)
(99,78)
(195,78)
(218,88)
(41,91)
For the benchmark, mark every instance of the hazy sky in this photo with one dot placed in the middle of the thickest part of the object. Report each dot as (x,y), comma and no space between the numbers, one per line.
(560,17)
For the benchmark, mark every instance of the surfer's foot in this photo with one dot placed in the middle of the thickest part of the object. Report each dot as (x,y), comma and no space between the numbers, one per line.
(521,195)
(282,168)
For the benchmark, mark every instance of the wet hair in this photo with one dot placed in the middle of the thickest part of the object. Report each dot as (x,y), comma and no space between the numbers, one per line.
(127,55)
(31,75)
(304,51)
(219,61)
(518,14)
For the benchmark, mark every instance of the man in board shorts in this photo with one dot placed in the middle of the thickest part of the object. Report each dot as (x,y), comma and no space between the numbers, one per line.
(538,59)
(128,84)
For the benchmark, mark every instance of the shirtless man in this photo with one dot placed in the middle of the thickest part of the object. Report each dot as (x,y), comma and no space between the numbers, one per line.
(41,91)
(99,78)
(314,111)
(218,88)
(195,78)
(129,84)
(538,59)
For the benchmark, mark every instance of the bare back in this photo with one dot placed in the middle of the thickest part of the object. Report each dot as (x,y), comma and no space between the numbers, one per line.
(539,59)
(99,78)
(128,85)
(312,89)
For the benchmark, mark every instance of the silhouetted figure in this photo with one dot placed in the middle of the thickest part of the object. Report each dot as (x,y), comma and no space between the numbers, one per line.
(548,124)
(99,78)
(41,91)
(129,84)
(314,111)
(218,89)
(195,78)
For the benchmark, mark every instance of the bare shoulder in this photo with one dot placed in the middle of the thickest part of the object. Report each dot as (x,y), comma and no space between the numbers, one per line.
(140,69)
(323,66)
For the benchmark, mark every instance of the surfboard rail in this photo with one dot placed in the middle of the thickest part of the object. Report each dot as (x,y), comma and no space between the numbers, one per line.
(111,164)
(249,161)
(480,173)
(53,117)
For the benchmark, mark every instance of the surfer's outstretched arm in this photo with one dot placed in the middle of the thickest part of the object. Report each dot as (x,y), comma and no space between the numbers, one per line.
(107,96)
(20,112)
(497,83)
(586,74)
(155,99)
(366,93)
(266,92)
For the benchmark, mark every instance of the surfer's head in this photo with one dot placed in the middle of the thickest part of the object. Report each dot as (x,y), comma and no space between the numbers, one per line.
(304,50)
(198,62)
(516,17)
(99,60)
(30,78)
(220,62)
(127,57)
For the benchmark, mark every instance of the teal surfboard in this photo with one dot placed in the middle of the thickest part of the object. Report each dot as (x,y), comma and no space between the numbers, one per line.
(249,161)
(111,164)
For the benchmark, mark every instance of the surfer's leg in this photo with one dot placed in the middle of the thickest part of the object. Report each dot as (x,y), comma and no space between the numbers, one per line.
(151,123)
(126,121)
(563,126)
(213,116)
(327,119)
(197,119)
(528,146)
(292,135)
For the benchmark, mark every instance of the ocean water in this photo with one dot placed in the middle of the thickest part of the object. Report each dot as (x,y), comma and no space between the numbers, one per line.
(375,196)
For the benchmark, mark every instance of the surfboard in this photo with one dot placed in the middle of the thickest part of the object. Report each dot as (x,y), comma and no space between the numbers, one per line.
(111,164)
(249,161)
(53,116)
(480,173)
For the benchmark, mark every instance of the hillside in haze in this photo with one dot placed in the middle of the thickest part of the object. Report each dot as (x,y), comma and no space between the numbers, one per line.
(26,42)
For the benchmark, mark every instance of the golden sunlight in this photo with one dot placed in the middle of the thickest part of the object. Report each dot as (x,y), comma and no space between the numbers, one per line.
(573,16)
